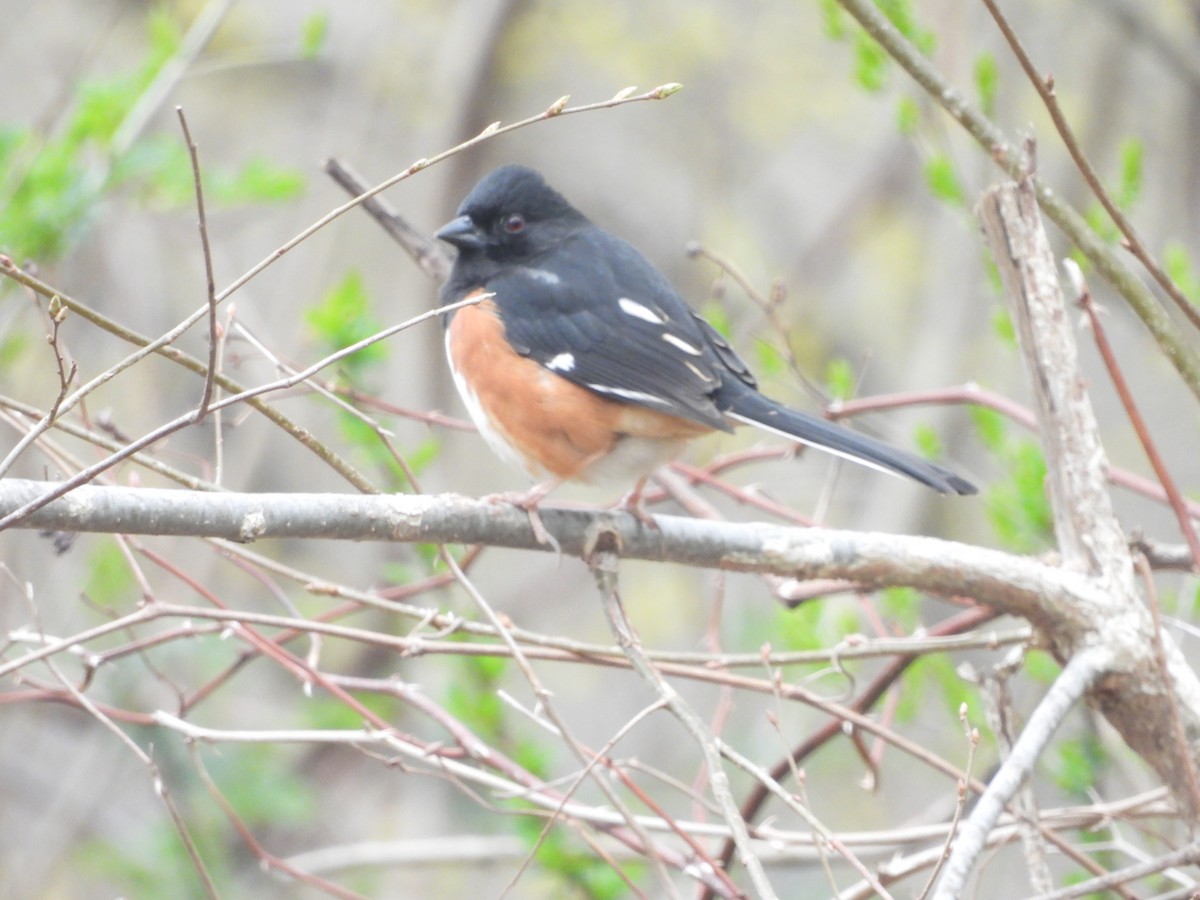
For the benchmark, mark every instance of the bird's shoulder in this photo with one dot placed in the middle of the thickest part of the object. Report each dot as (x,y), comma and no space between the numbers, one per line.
(593,309)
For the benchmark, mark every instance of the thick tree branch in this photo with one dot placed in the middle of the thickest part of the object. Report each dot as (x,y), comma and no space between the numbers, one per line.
(1136,699)
(1054,599)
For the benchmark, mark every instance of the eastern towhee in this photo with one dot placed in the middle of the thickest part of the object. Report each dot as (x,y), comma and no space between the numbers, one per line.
(584,363)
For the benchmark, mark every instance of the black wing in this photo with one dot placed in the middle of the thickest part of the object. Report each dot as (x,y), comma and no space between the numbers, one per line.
(597,313)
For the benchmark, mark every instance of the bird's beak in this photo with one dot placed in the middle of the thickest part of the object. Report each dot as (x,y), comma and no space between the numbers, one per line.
(462,233)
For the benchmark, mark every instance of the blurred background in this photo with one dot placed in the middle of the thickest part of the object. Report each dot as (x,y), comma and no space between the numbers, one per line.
(793,150)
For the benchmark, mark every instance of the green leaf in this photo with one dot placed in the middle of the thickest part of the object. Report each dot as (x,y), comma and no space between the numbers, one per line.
(901,14)
(109,580)
(1018,507)
(991,427)
(1132,155)
(908,116)
(1101,223)
(313,33)
(259,784)
(12,348)
(341,319)
(840,378)
(870,63)
(51,195)
(943,180)
(770,359)
(1041,666)
(933,678)
(987,82)
(165,34)
(901,604)
(423,455)
(582,873)
(716,316)
(834,19)
(259,180)
(1178,265)
(472,695)
(801,628)
(1076,764)
(928,441)
(159,169)
(1003,327)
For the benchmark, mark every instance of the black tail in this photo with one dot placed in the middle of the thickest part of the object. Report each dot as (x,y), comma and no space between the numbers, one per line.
(749,406)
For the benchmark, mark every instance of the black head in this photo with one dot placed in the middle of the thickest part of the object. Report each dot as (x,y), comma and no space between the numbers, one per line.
(513,213)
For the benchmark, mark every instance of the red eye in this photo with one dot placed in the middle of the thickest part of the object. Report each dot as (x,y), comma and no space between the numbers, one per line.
(514,224)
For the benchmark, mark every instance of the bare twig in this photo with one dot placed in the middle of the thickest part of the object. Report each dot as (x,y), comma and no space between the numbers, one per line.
(210,282)
(1179,350)
(1077,677)
(1083,298)
(1044,85)
(546,705)
(427,254)
(1187,855)
(156,777)
(753,804)
(66,372)
(972,735)
(267,859)
(603,561)
(407,236)
(162,347)
(152,437)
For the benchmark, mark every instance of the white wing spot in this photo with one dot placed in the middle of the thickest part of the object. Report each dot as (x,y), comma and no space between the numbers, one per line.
(696,371)
(640,311)
(627,394)
(564,362)
(543,275)
(681,344)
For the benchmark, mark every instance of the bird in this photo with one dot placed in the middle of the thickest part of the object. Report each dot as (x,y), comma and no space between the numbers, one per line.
(581,362)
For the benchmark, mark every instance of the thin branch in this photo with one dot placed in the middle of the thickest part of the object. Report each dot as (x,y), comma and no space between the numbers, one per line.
(210,282)
(1188,855)
(266,859)
(972,735)
(1077,677)
(1083,298)
(88,474)
(157,781)
(427,254)
(1045,89)
(66,373)
(753,804)
(161,346)
(546,703)
(604,564)
(1178,349)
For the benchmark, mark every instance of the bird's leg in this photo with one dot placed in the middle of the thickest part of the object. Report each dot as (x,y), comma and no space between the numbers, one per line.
(632,504)
(528,501)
